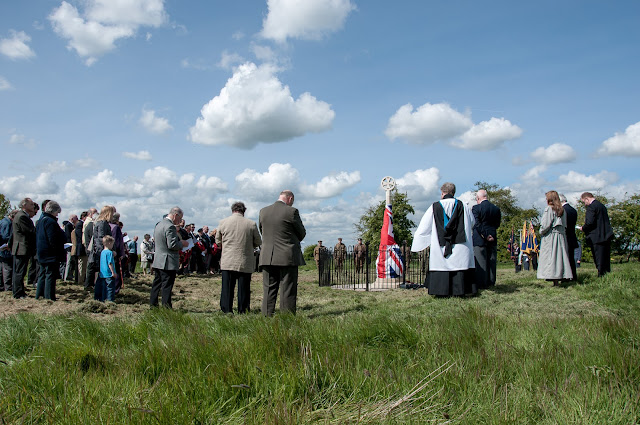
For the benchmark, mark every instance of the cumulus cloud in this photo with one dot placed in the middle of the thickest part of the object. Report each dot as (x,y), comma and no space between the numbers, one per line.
(431,123)
(4,84)
(578,182)
(18,187)
(488,135)
(15,47)
(533,177)
(140,156)
(255,107)
(309,19)
(267,185)
(154,124)
(627,143)
(95,32)
(332,185)
(420,185)
(428,124)
(555,154)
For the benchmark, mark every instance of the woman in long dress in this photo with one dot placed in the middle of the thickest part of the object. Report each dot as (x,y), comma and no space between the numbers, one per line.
(553,263)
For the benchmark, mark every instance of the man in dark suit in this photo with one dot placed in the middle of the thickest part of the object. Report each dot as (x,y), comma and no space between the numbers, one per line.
(282,230)
(572,240)
(167,258)
(598,232)
(24,244)
(485,239)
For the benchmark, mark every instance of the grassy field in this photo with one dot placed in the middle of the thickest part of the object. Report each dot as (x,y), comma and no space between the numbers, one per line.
(523,352)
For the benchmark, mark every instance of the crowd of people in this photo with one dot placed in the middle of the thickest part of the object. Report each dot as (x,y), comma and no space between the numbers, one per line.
(463,241)
(94,250)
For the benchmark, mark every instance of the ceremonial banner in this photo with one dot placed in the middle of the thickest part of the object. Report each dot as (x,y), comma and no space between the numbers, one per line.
(389,262)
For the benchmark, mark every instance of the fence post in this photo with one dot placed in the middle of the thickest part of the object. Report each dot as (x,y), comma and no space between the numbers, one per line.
(404,263)
(366,263)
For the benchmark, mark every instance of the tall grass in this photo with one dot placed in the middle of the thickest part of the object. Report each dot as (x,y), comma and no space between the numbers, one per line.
(516,354)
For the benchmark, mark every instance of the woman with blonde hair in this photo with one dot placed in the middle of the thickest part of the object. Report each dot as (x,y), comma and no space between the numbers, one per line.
(101,229)
(553,262)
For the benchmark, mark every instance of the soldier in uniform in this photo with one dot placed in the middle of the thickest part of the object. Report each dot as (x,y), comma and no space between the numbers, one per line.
(320,254)
(360,251)
(339,253)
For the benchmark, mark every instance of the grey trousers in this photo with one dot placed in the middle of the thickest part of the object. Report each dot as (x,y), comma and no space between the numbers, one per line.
(486,259)
(274,278)
(6,277)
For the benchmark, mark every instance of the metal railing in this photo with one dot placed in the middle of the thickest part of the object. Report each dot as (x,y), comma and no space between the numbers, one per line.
(349,268)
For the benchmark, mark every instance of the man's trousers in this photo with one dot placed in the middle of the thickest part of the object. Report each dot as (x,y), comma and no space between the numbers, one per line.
(274,278)
(162,283)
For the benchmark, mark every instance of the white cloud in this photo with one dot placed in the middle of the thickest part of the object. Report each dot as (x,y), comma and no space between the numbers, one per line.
(16,46)
(21,139)
(263,53)
(62,167)
(428,124)
(140,156)
(228,60)
(488,135)
(555,154)
(255,107)
(627,143)
(420,185)
(431,123)
(308,19)
(332,185)
(103,23)
(4,84)
(268,185)
(18,187)
(153,124)
(533,176)
(578,182)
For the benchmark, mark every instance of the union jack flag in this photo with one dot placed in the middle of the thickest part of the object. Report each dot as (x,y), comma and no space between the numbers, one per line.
(389,262)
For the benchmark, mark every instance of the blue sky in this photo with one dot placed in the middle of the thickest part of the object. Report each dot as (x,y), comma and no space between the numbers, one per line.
(146,104)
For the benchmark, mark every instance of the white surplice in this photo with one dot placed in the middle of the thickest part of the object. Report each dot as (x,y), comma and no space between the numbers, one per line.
(461,257)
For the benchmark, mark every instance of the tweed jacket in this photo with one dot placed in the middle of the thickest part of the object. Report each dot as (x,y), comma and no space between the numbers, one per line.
(168,246)
(238,237)
(282,230)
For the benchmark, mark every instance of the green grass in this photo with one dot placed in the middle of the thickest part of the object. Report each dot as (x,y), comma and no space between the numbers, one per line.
(524,352)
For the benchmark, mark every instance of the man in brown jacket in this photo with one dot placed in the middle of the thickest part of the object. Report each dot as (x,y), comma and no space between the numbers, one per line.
(238,236)
(282,230)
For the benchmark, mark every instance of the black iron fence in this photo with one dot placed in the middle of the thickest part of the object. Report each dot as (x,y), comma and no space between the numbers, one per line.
(354,268)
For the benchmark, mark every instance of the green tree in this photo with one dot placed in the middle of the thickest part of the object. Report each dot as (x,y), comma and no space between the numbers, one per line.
(625,220)
(5,206)
(371,222)
(513,216)
(307,253)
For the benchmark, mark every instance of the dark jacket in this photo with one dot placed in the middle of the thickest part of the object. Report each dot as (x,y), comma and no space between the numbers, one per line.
(282,230)
(50,240)
(24,235)
(488,218)
(6,230)
(78,248)
(596,228)
(572,219)
(100,229)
